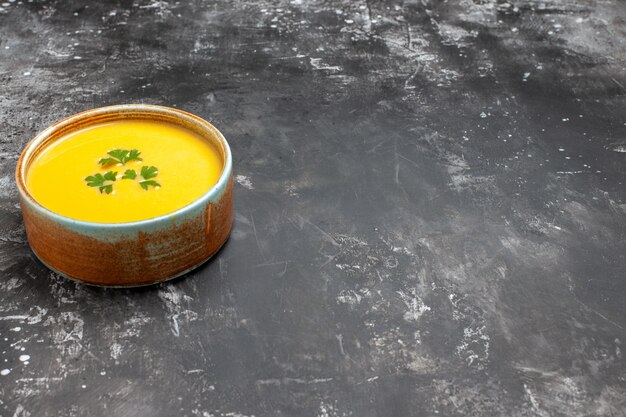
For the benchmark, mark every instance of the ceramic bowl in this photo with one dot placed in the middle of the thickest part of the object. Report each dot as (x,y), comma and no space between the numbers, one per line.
(133,253)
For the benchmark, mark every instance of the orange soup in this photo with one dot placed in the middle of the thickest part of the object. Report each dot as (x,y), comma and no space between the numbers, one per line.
(123,171)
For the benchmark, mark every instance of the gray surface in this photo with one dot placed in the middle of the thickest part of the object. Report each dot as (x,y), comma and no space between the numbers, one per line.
(429,210)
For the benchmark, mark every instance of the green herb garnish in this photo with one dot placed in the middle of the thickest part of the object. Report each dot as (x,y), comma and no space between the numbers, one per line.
(103,182)
(130,174)
(120,156)
(146,184)
(148,172)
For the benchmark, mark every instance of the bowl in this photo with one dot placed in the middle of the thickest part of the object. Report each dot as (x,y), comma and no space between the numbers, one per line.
(129,253)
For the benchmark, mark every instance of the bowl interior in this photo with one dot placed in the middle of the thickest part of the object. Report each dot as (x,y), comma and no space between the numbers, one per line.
(103,115)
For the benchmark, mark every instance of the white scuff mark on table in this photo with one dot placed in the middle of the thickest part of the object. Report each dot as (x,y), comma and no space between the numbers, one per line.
(57,54)
(298,56)
(396,249)
(173,298)
(420,363)
(455,35)
(292,190)
(533,402)
(133,325)
(7,186)
(30,318)
(327,409)
(318,65)
(37,317)
(20,411)
(474,348)
(415,306)
(162,8)
(29,387)
(59,290)
(349,297)
(462,180)
(339,338)
(67,332)
(290,381)
(244,182)
(347,266)
(115,351)
(9,155)
(552,393)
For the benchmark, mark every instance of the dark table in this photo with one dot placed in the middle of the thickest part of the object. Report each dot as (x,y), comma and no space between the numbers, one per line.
(430,210)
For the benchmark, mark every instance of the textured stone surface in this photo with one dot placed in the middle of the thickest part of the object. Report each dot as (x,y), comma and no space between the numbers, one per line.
(430,210)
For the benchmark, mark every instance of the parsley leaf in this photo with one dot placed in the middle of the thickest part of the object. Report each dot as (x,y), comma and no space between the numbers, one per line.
(103,182)
(108,161)
(129,174)
(120,156)
(95,180)
(146,184)
(148,172)
(133,155)
(110,176)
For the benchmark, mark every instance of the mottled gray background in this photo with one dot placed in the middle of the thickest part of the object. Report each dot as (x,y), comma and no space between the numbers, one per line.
(430,210)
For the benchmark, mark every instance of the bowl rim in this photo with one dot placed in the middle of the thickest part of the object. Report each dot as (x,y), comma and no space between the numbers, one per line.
(126,109)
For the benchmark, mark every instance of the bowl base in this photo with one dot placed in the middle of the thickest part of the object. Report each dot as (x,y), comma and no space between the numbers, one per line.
(130,285)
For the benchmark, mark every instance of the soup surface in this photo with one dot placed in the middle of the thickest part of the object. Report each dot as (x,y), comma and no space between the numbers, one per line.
(123,171)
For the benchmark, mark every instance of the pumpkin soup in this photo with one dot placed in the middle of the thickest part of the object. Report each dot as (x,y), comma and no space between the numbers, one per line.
(123,171)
